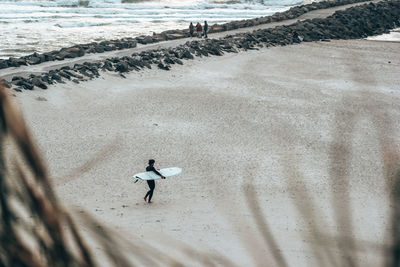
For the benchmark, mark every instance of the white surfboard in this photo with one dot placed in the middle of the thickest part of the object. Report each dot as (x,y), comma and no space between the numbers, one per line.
(166,172)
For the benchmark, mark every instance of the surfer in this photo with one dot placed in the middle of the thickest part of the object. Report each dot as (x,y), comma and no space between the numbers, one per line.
(151,183)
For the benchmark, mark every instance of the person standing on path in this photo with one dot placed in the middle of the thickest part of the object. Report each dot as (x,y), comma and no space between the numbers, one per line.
(205,28)
(199,29)
(191,29)
(151,183)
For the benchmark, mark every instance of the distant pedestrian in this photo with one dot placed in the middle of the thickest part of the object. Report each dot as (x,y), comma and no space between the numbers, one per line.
(191,29)
(199,30)
(205,28)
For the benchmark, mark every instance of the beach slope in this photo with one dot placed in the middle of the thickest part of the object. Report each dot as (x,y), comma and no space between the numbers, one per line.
(301,124)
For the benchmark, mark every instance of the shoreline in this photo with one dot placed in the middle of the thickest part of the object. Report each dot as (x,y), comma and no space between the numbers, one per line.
(130,42)
(393,36)
(163,58)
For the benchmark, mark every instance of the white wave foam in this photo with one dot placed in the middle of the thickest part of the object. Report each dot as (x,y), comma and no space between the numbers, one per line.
(20,6)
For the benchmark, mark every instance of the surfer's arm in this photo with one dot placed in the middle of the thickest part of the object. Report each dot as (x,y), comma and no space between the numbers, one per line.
(154,170)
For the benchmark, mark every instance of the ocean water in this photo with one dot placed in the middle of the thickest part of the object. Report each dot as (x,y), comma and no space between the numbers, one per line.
(28,26)
(393,36)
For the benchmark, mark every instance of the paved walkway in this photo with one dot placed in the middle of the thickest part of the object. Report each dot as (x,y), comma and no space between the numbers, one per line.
(46,66)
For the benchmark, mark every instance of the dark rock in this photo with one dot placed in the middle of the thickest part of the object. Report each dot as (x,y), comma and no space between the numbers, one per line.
(159,38)
(71,52)
(3,64)
(94,71)
(163,67)
(144,39)
(45,78)
(109,48)
(93,68)
(120,45)
(59,57)
(131,42)
(174,36)
(122,66)
(168,60)
(177,60)
(66,68)
(99,49)
(185,54)
(55,77)
(215,50)
(105,43)
(25,84)
(16,62)
(203,52)
(133,63)
(48,57)
(108,66)
(33,60)
(40,56)
(78,67)
(91,50)
(64,74)
(216,28)
(74,74)
(16,78)
(85,73)
(38,83)
(251,38)
(242,23)
(113,59)
(146,64)
(198,53)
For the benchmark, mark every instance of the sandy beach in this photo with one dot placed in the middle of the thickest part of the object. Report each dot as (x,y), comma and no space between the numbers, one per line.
(308,123)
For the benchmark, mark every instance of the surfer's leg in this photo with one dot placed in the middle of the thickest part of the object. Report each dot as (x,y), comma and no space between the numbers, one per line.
(150,195)
(152,185)
(147,194)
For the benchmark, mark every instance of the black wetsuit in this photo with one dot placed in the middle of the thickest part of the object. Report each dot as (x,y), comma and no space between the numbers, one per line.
(191,29)
(151,183)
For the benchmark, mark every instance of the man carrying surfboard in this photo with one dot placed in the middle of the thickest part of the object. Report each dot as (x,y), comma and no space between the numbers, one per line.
(151,183)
